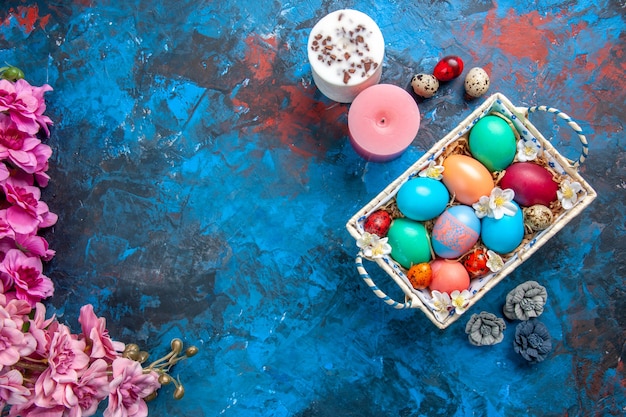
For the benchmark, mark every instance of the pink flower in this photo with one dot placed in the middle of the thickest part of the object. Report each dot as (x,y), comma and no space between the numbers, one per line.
(24,273)
(13,343)
(92,387)
(94,330)
(23,215)
(10,339)
(81,398)
(32,410)
(17,146)
(42,153)
(4,172)
(12,389)
(34,245)
(18,310)
(66,357)
(5,228)
(66,362)
(128,388)
(25,105)
(42,329)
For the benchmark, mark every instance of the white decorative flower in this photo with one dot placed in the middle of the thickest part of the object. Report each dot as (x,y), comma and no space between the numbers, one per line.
(440,304)
(366,240)
(379,250)
(527,151)
(460,300)
(501,203)
(568,194)
(494,261)
(432,171)
(373,246)
(481,208)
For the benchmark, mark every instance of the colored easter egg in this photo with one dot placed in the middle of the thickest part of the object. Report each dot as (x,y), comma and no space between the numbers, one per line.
(409,242)
(476,263)
(538,217)
(493,143)
(448,68)
(378,223)
(466,178)
(532,183)
(476,82)
(505,234)
(455,232)
(420,275)
(425,85)
(448,276)
(422,199)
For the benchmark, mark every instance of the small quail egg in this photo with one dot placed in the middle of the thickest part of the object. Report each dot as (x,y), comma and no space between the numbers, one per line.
(425,85)
(476,82)
(537,217)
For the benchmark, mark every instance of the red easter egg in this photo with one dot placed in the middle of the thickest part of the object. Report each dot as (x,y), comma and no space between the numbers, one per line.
(448,68)
(378,223)
(476,263)
(448,276)
(532,183)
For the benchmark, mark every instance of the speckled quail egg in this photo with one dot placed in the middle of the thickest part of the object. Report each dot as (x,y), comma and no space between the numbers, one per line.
(476,82)
(538,217)
(425,85)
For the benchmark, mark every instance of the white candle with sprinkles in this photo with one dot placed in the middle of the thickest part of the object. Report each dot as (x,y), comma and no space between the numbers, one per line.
(346,50)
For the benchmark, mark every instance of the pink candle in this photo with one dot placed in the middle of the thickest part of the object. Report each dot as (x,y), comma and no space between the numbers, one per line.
(383,120)
(345,50)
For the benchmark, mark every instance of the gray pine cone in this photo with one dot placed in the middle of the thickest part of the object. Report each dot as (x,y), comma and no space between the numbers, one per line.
(526,301)
(485,329)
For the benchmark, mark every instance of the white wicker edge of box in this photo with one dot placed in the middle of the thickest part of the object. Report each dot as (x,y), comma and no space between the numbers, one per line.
(418,298)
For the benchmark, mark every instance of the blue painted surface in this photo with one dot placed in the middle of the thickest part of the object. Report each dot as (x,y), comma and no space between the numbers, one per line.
(203,184)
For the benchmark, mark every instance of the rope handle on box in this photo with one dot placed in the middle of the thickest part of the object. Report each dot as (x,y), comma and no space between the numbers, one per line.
(377,291)
(571,123)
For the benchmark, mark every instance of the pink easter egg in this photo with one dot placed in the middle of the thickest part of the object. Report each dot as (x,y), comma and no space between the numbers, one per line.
(448,276)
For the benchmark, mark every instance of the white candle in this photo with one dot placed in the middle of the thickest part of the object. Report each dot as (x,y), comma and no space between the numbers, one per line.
(346,50)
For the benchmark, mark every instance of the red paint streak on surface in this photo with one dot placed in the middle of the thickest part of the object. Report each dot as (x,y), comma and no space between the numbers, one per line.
(240,106)
(27,17)
(43,21)
(575,29)
(488,68)
(602,102)
(611,64)
(531,37)
(521,36)
(260,56)
(287,111)
(561,77)
(293,127)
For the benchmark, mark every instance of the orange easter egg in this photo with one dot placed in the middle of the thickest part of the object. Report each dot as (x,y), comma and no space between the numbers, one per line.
(420,275)
(466,178)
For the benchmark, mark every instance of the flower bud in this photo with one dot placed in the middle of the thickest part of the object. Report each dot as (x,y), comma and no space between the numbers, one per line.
(142,356)
(164,379)
(131,347)
(179,392)
(132,355)
(176,345)
(12,74)
(191,351)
